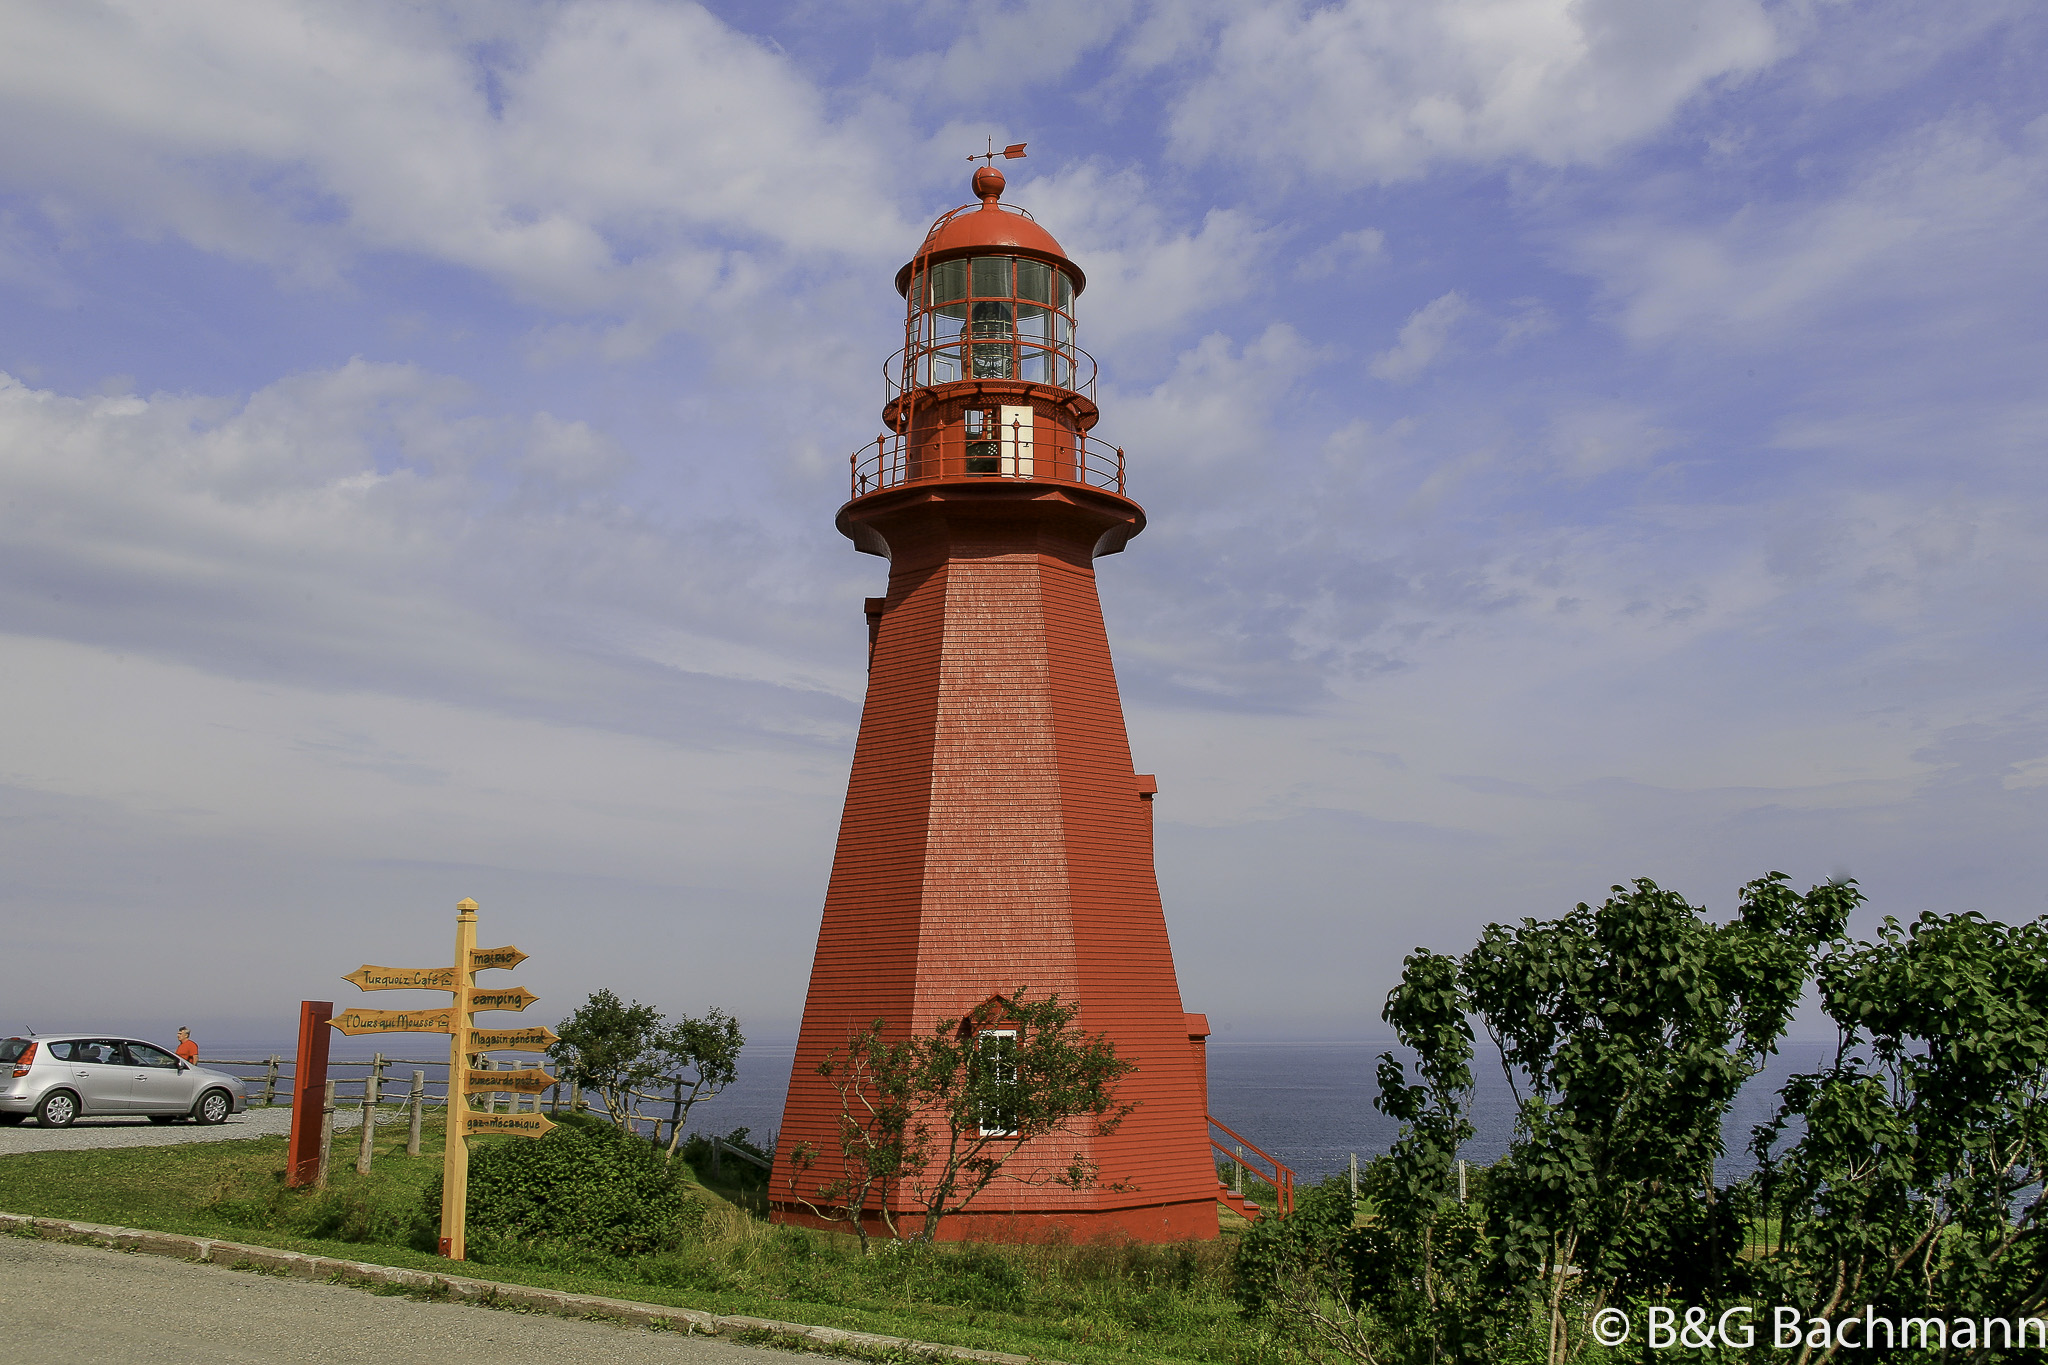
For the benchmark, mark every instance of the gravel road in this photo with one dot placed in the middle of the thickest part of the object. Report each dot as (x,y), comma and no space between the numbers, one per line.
(140,1132)
(73,1302)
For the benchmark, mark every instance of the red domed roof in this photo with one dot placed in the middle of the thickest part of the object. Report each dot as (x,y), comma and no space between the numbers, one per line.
(989,230)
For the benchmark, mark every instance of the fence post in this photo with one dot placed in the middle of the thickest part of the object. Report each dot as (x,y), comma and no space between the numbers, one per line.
(1354,1177)
(1237,1171)
(418,1101)
(326,1135)
(270,1082)
(366,1146)
(555,1092)
(1461,1180)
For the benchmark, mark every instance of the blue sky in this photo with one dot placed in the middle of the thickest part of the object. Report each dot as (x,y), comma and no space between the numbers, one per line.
(1582,441)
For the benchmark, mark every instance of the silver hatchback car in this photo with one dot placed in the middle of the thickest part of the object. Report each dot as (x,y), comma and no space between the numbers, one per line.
(66,1076)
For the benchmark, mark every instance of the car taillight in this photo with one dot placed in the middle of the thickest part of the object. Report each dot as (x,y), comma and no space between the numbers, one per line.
(21,1063)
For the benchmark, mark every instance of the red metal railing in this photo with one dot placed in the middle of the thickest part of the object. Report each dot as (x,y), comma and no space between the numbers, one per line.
(1047,455)
(1280,1177)
(1064,366)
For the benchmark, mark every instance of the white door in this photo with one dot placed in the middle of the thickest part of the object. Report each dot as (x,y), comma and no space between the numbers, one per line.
(1017,431)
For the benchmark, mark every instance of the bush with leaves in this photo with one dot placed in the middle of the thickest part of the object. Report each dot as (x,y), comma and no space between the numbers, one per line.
(926,1124)
(1915,1183)
(1626,1032)
(586,1184)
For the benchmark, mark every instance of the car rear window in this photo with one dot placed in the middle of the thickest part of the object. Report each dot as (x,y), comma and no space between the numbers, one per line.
(11,1050)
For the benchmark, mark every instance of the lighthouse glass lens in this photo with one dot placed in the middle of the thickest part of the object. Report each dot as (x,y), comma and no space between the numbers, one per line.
(1034,281)
(1066,298)
(995,319)
(949,281)
(992,277)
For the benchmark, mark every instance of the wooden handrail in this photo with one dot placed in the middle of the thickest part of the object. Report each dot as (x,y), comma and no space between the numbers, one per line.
(1283,1175)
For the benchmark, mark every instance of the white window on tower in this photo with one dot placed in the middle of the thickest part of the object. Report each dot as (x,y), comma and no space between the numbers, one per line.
(1016,431)
(996,1057)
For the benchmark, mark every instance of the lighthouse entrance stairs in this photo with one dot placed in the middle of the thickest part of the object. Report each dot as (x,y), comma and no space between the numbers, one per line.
(1245,1171)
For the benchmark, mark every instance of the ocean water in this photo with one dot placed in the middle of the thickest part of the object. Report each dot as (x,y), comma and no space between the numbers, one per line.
(1307,1103)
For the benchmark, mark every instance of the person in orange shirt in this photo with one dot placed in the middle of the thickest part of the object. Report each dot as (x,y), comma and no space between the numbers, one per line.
(187,1049)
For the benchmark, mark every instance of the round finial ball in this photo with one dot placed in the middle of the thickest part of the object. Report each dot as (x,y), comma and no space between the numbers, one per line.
(988,183)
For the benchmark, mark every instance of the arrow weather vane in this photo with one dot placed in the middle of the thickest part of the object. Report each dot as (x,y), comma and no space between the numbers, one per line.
(1009,153)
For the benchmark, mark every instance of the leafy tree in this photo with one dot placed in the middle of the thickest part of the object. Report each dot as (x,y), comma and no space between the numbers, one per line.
(692,1060)
(932,1122)
(1915,1183)
(630,1055)
(1631,1028)
(874,1079)
(603,1047)
(1626,1032)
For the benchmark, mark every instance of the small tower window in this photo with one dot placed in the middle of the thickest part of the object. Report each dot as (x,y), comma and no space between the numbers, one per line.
(996,1056)
(984,442)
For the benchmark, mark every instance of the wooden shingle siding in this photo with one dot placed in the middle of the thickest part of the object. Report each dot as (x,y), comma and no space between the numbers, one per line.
(995,836)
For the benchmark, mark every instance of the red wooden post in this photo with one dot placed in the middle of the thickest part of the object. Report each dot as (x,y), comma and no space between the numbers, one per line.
(309,1088)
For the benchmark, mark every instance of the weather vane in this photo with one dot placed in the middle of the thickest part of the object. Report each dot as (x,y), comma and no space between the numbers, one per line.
(1009,153)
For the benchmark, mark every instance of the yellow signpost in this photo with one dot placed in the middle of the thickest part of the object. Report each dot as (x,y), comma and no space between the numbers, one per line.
(465,1041)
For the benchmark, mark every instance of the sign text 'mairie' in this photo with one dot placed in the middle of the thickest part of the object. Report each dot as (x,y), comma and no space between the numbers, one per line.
(482,958)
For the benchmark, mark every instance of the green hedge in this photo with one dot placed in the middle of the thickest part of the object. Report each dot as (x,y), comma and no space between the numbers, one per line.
(588,1185)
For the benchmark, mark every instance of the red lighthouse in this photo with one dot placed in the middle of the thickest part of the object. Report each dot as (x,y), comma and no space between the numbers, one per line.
(995,832)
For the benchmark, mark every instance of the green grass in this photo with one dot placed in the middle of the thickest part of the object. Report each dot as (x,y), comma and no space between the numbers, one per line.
(1105,1302)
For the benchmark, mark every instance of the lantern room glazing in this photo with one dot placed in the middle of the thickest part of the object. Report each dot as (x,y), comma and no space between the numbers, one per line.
(990,383)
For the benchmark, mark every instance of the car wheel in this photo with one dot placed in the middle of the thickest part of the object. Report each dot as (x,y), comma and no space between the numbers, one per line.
(165,1118)
(57,1110)
(213,1107)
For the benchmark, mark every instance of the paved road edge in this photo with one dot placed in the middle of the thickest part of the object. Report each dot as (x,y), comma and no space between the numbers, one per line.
(485,1293)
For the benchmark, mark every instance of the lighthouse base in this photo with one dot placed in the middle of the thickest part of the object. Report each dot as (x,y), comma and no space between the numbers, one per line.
(1191,1221)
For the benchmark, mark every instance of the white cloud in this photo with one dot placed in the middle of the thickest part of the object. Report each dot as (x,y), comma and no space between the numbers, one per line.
(361,529)
(1949,216)
(1423,338)
(1343,254)
(1146,275)
(609,154)
(1383,90)
(1601,439)
(1012,46)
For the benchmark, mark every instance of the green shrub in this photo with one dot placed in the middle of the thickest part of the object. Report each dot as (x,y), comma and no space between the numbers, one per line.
(589,1186)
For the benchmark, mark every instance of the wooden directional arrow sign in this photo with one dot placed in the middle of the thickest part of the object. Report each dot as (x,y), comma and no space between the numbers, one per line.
(518,998)
(394,1021)
(508,956)
(528,1082)
(520,1125)
(403,978)
(482,1038)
